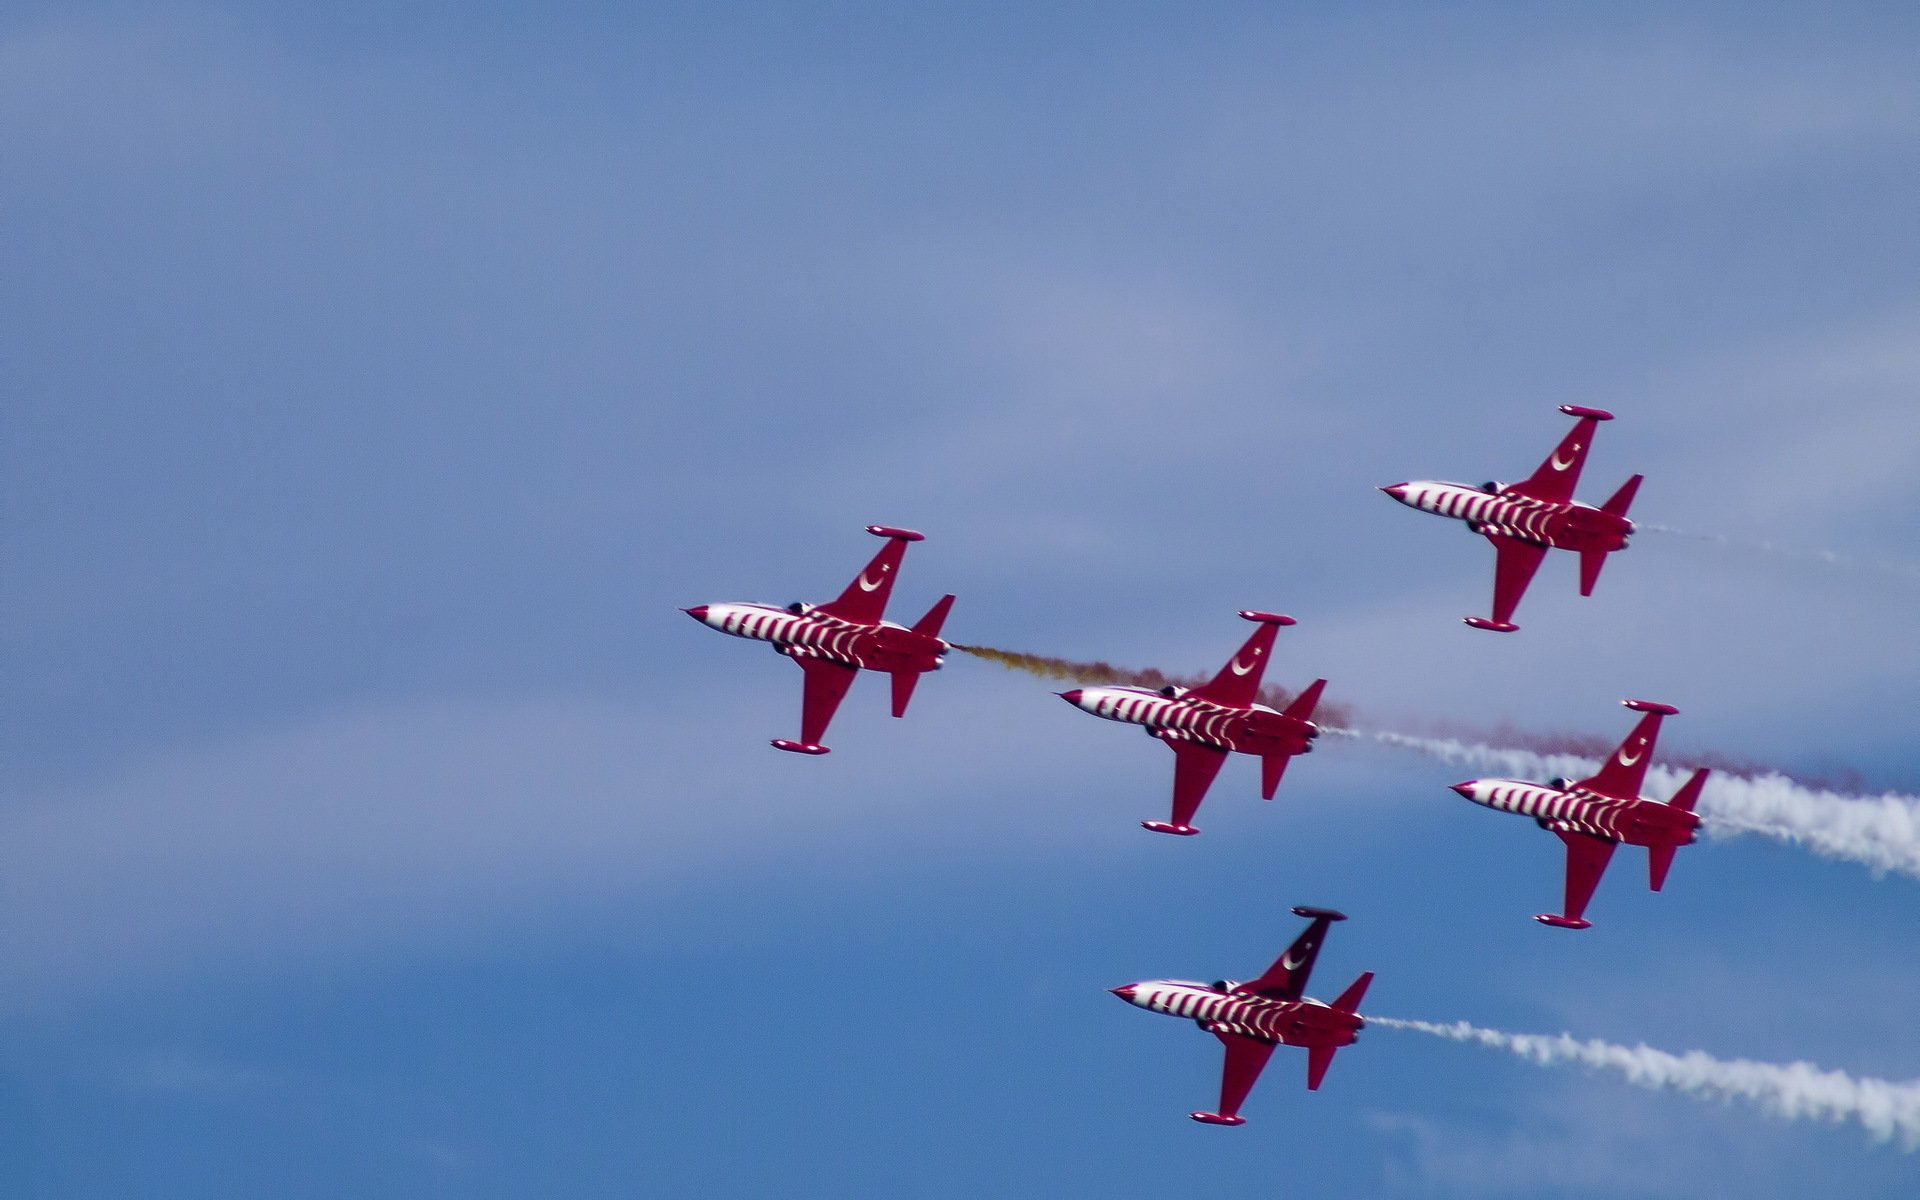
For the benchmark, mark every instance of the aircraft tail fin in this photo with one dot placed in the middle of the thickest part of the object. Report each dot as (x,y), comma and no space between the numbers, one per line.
(1320,1057)
(1660,857)
(1349,1000)
(1303,705)
(935,618)
(904,681)
(1689,793)
(1618,503)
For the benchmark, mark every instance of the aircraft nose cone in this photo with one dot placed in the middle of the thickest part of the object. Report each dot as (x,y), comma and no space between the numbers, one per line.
(698,612)
(1398,491)
(1466,789)
(1125,993)
(1072,697)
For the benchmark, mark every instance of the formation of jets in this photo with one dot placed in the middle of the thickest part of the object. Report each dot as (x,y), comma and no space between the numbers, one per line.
(833,642)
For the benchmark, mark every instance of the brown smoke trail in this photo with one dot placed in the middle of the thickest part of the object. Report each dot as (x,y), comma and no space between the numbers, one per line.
(1328,715)
(1597,746)
(1835,821)
(1341,717)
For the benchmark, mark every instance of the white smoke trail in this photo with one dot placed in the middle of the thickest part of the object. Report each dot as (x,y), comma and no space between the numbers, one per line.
(1829,557)
(1882,832)
(1796,1091)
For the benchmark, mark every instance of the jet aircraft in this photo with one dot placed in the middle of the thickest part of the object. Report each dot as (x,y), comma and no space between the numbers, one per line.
(1203,725)
(1251,1018)
(1597,814)
(1523,520)
(833,642)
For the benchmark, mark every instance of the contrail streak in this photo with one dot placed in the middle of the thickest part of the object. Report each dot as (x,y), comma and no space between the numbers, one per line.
(1796,1091)
(1882,832)
(1828,557)
(1326,715)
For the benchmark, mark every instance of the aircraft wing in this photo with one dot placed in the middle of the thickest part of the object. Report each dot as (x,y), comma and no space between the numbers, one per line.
(1626,768)
(865,600)
(1587,859)
(1246,1058)
(1194,769)
(1555,480)
(826,685)
(1287,978)
(1513,569)
(1238,683)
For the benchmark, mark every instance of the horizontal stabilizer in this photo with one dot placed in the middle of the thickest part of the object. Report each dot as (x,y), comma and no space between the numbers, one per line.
(1659,861)
(1272,767)
(903,682)
(1319,1058)
(1590,563)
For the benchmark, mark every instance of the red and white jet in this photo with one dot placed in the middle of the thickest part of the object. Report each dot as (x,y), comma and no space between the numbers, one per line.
(1523,520)
(1595,815)
(1204,725)
(1251,1018)
(833,642)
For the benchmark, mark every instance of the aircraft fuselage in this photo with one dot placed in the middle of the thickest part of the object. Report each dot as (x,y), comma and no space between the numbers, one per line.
(1635,821)
(884,646)
(1254,730)
(1301,1022)
(1568,526)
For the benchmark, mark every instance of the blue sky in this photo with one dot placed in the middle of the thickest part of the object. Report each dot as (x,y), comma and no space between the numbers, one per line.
(382,381)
